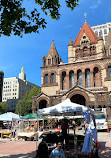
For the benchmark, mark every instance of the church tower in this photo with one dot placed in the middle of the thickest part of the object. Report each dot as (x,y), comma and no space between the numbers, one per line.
(52,57)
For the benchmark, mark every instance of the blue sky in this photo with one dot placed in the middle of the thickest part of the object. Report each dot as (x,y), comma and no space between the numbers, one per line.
(27,52)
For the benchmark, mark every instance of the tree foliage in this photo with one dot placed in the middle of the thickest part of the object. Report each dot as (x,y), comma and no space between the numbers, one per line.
(24,106)
(16,19)
(3,107)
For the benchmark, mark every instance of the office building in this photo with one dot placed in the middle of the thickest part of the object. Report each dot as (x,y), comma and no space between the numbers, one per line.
(103,29)
(15,88)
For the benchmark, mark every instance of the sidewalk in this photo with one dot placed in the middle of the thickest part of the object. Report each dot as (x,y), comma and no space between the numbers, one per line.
(20,149)
(27,149)
(104,139)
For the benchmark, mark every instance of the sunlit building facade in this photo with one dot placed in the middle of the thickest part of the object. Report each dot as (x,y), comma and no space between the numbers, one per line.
(85,79)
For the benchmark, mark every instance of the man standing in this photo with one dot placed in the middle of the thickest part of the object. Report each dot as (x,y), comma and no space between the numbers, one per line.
(58,151)
(65,130)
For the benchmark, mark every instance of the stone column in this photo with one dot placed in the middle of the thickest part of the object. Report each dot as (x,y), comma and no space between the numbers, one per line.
(75,79)
(67,76)
(91,79)
(83,79)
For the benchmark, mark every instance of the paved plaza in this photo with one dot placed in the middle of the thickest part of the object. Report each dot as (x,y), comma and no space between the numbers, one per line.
(26,149)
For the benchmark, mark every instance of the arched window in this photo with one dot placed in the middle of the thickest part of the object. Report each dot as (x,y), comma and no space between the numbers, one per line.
(49,61)
(109,71)
(97,79)
(71,79)
(85,49)
(87,78)
(64,81)
(46,79)
(105,31)
(42,104)
(84,37)
(79,77)
(52,78)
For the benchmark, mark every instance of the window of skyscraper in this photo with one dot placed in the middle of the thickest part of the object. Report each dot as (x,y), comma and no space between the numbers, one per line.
(101,32)
(105,31)
(96,32)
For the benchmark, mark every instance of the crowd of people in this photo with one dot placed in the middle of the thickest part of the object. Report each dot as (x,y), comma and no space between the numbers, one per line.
(57,152)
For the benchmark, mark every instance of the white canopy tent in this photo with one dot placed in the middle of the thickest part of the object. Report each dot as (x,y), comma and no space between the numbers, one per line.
(66,108)
(9,116)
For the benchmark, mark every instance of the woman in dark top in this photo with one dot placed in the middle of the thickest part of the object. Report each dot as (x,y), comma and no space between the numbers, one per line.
(42,150)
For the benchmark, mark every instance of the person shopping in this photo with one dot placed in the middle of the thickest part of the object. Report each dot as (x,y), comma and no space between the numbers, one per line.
(58,151)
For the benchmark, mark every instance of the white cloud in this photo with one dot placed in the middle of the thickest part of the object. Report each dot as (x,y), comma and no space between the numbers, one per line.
(93,7)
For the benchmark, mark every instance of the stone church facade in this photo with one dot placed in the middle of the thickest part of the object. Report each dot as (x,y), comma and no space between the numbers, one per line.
(85,79)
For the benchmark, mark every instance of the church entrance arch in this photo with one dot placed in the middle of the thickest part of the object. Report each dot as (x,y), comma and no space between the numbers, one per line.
(42,104)
(79,99)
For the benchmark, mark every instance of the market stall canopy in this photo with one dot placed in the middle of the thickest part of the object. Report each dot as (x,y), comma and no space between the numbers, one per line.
(32,116)
(9,116)
(66,107)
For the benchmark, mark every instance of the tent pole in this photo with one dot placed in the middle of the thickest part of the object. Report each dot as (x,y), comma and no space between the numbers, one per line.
(75,148)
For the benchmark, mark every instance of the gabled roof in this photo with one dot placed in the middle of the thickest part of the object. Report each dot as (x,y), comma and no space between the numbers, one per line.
(108,41)
(89,33)
(81,88)
(52,51)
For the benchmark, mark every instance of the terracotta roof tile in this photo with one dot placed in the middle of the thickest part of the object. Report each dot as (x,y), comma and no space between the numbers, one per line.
(89,33)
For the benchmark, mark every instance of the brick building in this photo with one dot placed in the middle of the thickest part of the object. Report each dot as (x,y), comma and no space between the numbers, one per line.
(85,79)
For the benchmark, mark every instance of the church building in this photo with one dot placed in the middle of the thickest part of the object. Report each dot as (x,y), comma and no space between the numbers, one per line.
(85,79)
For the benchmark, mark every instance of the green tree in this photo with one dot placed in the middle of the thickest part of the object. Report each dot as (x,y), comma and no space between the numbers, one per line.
(15,18)
(24,106)
(3,107)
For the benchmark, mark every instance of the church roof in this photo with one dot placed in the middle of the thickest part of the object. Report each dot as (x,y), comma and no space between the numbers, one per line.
(89,33)
(108,41)
(52,51)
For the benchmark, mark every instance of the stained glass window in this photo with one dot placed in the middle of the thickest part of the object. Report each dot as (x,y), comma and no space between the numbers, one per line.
(109,71)
(46,78)
(52,78)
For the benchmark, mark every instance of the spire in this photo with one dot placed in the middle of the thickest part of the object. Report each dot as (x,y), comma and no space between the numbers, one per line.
(89,33)
(100,37)
(85,14)
(70,42)
(52,50)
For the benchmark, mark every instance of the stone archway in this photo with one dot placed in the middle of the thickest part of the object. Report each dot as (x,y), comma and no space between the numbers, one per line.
(79,96)
(79,99)
(42,104)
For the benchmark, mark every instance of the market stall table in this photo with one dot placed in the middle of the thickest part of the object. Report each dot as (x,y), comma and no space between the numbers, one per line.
(6,134)
(26,135)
